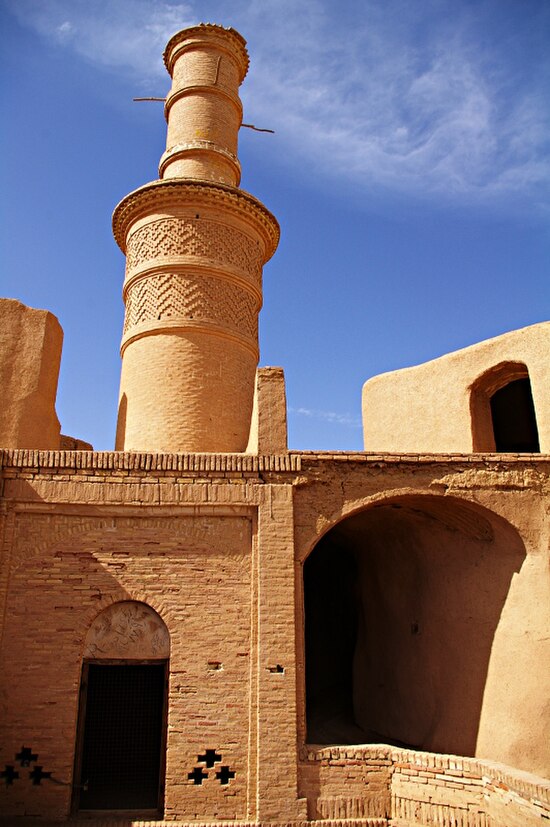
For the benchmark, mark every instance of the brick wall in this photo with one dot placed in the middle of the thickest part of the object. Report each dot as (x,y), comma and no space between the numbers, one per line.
(415,788)
(214,544)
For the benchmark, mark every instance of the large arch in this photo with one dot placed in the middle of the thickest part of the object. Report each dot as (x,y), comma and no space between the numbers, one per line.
(401,601)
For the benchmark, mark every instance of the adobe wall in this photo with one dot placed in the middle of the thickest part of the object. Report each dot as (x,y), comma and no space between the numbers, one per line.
(215,544)
(268,426)
(429,407)
(30,355)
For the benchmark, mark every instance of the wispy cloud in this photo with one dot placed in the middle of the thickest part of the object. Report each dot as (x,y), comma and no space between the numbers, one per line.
(122,34)
(391,95)
(345,419)
(439,112)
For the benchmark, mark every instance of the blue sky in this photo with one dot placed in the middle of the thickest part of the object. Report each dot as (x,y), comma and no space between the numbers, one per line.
(409,171)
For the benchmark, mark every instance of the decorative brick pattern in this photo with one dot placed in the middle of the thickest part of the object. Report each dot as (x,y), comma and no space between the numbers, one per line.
(165,194)
(348,807)
(220,244)
(128,630)
(138,822)
(192,298)
(35,461)
(440,815)
(292,461)
(236,41)
(37,534)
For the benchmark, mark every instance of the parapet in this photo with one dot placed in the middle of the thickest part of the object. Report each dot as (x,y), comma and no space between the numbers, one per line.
(490,397)
(30,356)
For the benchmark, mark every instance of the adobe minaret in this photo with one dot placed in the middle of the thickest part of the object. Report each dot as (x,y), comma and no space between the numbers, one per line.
(195,246)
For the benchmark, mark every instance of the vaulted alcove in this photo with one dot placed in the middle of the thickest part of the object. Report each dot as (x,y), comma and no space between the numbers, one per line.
(402,601)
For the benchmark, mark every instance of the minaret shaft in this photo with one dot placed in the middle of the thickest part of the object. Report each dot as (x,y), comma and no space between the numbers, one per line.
(195,247)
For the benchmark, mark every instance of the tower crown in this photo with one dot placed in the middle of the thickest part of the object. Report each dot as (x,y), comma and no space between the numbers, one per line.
(207,64)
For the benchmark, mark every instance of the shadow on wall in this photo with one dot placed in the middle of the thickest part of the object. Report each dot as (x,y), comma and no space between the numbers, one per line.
(121,423)
(401,606)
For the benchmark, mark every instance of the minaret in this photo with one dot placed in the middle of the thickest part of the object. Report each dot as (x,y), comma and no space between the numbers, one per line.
(195,246)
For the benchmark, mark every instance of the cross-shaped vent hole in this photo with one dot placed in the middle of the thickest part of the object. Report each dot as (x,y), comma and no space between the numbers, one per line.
(224,775)
(26,756)
(197,776)
(9,774)
(38,774)
(209,758)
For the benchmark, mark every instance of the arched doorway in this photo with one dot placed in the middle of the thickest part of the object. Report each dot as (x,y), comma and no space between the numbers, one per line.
(122,719)
(401,605)
(502,410)
(513,418)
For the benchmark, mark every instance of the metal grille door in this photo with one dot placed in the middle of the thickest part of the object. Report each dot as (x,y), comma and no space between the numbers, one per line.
(123,736)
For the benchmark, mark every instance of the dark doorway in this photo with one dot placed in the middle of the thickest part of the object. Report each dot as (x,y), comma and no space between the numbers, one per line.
(122,719)
(331,605)
(513,415)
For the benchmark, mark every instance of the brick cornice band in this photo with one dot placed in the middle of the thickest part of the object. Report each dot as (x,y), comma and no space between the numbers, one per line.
(138,461)
(163,194)
(226,39)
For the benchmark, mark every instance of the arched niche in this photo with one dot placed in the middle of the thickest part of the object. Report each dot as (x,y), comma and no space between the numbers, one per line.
(128,630)
(502,410)
(402,601)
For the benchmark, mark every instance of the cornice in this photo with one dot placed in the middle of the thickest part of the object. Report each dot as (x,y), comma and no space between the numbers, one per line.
(183,325)
(193,89)
(146,462)
(155,195)
(181,151)
(28,458)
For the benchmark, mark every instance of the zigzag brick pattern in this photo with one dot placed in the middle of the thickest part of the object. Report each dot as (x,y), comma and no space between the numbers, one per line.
(201,237)
(192,298)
